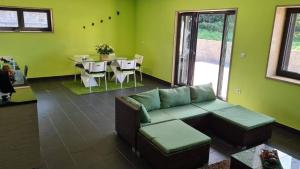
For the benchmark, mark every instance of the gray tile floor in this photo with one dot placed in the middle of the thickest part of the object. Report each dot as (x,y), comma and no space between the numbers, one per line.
(77,132)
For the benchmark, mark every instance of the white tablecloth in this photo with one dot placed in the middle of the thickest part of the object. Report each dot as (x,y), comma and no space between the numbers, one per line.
(121,76)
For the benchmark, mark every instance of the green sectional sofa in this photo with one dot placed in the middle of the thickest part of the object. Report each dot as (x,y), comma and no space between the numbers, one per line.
(165,125)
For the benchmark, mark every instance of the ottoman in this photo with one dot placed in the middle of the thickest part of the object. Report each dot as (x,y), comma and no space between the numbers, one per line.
(242,126)
(173,145)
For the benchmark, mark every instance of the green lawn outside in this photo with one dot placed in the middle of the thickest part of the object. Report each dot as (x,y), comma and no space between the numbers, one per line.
(296,46)
(212,35)
(215,35)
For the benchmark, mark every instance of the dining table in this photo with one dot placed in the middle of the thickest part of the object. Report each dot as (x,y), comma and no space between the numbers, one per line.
(112,63)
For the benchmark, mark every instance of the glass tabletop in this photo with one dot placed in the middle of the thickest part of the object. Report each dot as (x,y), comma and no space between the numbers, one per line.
(93,58)
(251,158)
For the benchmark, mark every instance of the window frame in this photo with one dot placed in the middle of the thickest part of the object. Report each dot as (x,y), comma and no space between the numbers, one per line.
(21,25)
(286,45)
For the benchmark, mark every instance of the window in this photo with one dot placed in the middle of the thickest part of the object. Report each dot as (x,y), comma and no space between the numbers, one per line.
(289,56)
(25,20)
(8,20)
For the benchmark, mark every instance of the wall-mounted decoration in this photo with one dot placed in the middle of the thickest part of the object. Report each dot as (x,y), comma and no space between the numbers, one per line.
(109,17)
(93,24)
(101,21)
(118,13)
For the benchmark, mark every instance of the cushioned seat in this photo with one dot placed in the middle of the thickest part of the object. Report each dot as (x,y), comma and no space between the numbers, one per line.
(213,105)
(243,117)
(185,112)
(173,136)
(159,116)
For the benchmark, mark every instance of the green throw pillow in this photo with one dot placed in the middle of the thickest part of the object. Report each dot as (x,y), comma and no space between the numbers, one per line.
(202,93)
(149,99)
(174,97)
(144,116)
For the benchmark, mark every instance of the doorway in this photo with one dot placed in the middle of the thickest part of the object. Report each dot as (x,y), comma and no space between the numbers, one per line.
(203,49)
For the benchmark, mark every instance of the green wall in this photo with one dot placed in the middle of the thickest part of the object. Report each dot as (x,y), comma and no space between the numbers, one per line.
(155,21)
(47,54)
(147,27)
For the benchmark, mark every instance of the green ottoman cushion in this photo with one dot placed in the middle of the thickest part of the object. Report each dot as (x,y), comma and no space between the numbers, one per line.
(185,112)
(243,117)
(173,136)
(213,105)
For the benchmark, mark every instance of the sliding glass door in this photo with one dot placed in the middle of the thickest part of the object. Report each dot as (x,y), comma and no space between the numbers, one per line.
(226,54)
(187,25)
(206,58)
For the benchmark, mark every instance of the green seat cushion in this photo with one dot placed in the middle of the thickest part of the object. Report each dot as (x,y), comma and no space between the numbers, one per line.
(173,136)
(213,105)
(202,93)
(243,117)
(174,97)
(144,116)
(159,116)
(149,99)
(185,112)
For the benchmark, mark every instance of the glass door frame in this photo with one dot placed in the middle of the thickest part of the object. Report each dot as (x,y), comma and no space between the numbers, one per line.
(193,45)
(223,53)
(192,56)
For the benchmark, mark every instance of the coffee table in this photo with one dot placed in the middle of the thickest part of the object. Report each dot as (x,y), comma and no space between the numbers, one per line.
(250,159)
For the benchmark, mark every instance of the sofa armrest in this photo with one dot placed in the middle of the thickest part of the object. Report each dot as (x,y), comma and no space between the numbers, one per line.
(127,120)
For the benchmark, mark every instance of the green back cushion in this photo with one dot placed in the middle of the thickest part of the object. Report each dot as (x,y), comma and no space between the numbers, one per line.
(149,99)
(174,97)
(202,93)
(144,116)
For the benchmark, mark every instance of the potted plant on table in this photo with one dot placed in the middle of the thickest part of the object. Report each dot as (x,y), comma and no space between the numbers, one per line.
(104,51)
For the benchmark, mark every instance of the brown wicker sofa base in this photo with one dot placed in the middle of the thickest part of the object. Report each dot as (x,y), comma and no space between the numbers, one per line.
(188,159)
(239,136)
(200,123)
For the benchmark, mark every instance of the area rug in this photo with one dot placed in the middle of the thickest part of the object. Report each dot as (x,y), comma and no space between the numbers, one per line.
(79,89)
(220,165)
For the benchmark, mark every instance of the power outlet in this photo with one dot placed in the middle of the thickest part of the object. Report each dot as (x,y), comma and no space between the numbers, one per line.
(238,91)
(243,55)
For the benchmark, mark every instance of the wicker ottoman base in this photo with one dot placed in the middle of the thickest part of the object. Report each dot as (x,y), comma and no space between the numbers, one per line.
(187,159)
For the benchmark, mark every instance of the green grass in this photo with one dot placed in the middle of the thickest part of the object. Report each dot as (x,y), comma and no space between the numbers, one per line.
(296,46)
(214,35)
(79,89)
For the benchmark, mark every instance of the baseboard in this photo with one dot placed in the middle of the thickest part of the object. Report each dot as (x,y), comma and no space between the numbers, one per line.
(157,79)
(36,79)
(78,76)
(292,130)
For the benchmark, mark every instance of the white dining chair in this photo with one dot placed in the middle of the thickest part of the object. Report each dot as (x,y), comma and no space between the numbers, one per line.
(95,70)
(139,62)
(77,61)
(111,58)
(127,68)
